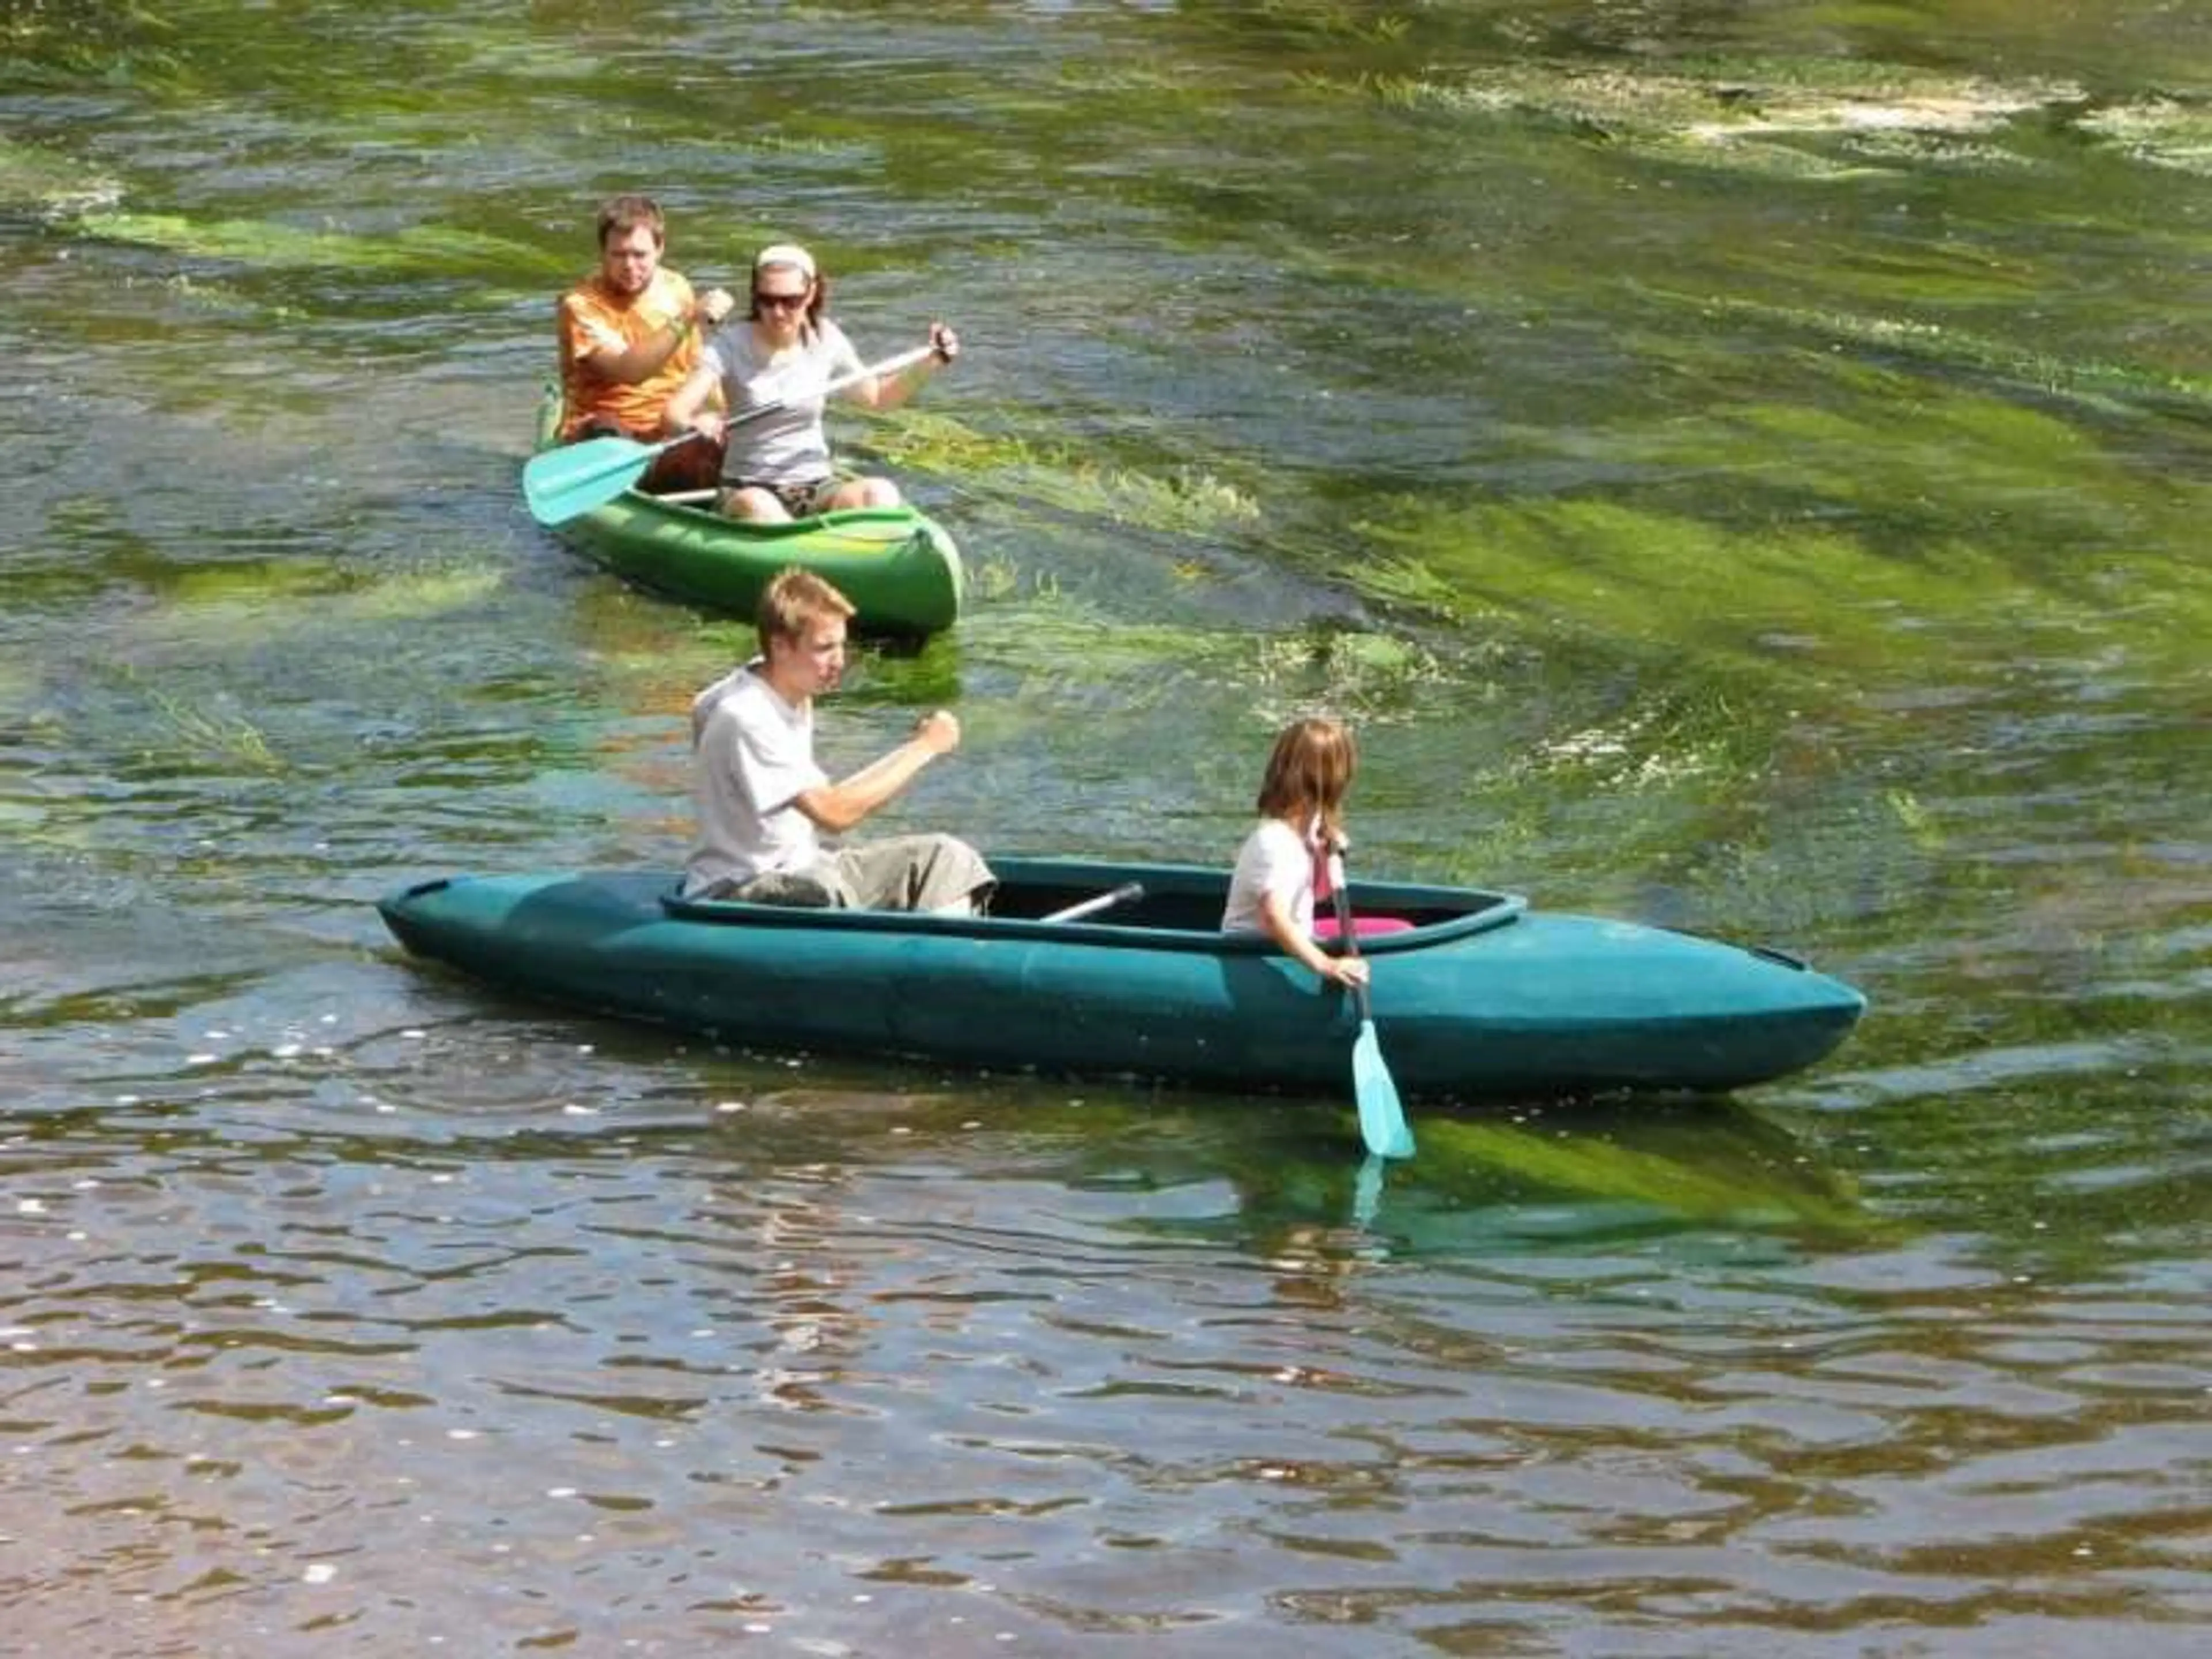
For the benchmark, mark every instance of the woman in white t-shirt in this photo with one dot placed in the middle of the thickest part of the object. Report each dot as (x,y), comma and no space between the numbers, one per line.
(1301,816)
(785,351)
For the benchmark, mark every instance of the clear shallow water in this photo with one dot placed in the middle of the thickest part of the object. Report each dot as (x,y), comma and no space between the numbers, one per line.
(1786,530)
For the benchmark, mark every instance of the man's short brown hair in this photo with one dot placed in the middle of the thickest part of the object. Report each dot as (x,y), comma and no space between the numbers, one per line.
(621,214)
(796,597)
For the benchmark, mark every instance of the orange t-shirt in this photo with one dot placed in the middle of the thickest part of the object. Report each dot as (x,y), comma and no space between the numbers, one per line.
(595,323)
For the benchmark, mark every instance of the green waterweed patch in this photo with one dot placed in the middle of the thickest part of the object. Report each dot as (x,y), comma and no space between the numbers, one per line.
(1332,23)
(529,56)
(218,737)
(409,595)
(801,143)
(1186,500)
(1109,80)
(1875,504)
(1045,635)
(2096,384)
(1795,600)
(22,687)
(1752,158)
(996,576)
(223,605)
(1885,442)
(60,42)
(227,301)
(432,250)
(1919,823)
(1602,771)
(929,441)
(251,582)
(1947,493)
(1147,670)
(2165,132)
(50,183)
(1404,581)
(1720,99)
(1899,152)
(1480,1187)
(1712,1179)
(1931,276)
(1780,118)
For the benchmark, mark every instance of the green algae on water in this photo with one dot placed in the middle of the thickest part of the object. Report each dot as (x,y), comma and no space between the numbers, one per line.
(1057,474)
(1715,101)
(2163,131)
(1800,598)
(51,184)
(1711,1183)
(432,249)
(2100,384)
(210,734)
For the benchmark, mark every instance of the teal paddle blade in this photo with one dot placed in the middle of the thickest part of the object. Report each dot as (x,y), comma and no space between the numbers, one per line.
(1383,1123)
(559,484)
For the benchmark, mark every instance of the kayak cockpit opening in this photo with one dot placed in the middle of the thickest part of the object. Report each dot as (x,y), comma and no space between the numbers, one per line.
(1157,906)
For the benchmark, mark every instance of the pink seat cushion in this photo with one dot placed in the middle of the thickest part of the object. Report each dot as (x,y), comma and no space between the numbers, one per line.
(1364,926)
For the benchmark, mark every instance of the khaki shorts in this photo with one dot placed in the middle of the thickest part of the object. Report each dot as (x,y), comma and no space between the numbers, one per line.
(801,501)
(940,874)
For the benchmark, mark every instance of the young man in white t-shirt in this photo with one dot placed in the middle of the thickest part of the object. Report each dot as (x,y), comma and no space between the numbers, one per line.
(764,802)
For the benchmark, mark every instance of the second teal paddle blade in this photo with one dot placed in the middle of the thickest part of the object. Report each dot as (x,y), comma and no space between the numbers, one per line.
(559,484)
(1383,1123)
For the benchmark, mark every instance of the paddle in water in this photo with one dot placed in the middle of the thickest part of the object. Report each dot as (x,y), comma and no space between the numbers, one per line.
(1383,1123)
(562,483)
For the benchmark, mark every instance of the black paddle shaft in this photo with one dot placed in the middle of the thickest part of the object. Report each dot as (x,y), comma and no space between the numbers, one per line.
(1347,933)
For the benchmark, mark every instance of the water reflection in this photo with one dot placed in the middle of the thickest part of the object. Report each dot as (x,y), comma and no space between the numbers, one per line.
(1623,1353)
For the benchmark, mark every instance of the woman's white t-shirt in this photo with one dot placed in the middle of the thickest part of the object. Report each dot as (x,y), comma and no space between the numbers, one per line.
(789,446)
(1274,859)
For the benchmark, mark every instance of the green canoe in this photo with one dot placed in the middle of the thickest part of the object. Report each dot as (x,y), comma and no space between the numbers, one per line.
(1482,997)
(897,566)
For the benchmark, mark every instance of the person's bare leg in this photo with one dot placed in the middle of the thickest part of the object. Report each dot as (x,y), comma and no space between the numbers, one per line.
(755,506)
(863,492)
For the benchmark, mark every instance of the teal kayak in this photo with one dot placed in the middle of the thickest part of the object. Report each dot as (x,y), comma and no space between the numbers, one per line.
(1482,996)
(898,566)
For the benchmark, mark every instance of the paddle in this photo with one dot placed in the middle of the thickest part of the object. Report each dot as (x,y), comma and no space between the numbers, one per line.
(1383,1123)
(559,484)
(1091,907)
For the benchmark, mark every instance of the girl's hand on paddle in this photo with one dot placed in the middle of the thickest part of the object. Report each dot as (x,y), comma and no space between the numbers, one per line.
(1348,971)
(708,424)
(938,732)
(944,342)
(714,305)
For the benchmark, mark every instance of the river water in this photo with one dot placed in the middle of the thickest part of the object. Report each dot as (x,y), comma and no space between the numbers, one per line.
(1742,466)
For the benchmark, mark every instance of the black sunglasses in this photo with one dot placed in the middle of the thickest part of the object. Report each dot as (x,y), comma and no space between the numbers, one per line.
(782,302)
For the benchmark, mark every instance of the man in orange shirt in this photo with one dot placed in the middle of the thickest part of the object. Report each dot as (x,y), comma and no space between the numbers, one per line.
(629,335)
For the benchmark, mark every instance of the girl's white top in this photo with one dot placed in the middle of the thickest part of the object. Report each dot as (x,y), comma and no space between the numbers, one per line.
(1274,859)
